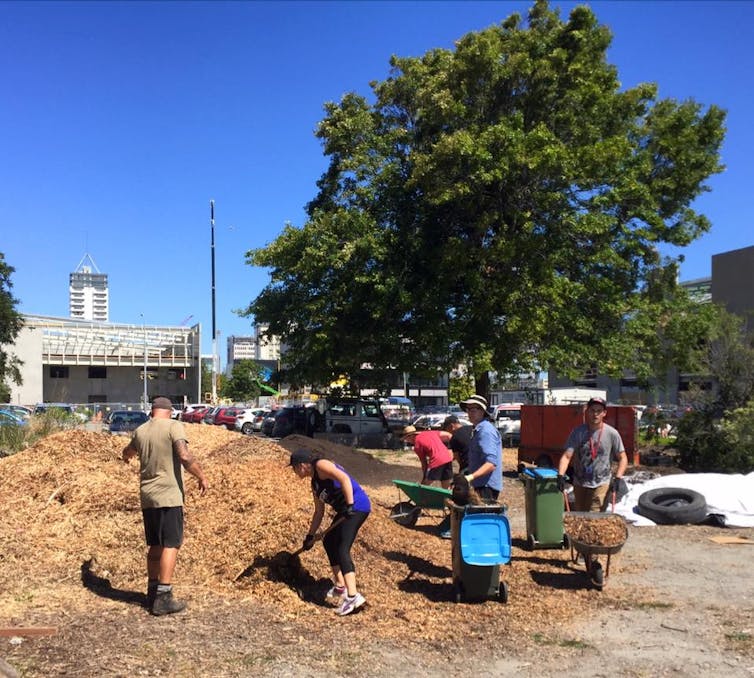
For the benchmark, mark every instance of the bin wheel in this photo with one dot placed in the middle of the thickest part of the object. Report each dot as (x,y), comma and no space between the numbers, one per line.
(405,513)
(531,542)
(564,544)
(457,591)
(503,592)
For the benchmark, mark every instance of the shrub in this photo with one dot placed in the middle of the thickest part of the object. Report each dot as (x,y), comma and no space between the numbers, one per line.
(708,443)
(15,438)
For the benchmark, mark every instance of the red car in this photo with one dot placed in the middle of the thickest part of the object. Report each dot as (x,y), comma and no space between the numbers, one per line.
(195,416)
(226,416)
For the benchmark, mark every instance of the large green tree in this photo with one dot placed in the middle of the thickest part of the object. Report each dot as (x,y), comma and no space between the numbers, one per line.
(10,325)
(243,385)
(503,203)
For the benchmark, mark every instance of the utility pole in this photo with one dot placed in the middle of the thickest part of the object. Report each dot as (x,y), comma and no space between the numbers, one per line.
(214,328)
(144,330)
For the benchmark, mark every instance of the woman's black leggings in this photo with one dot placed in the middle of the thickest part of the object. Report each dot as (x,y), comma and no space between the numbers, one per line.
(339,541)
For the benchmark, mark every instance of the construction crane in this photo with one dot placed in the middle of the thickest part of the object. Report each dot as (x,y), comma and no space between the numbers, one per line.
(186,319)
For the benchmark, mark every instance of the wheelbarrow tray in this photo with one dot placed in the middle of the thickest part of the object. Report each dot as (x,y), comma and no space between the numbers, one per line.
(424,496)
(587,549)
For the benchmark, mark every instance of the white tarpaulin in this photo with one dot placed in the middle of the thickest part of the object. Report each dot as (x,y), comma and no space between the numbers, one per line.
(729,496)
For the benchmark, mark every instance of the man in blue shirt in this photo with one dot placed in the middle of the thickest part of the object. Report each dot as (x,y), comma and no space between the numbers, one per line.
(485,469)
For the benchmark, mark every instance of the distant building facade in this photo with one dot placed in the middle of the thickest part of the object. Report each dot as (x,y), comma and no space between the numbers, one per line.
(78,361)
(88,293)
(240,348)
(733,282)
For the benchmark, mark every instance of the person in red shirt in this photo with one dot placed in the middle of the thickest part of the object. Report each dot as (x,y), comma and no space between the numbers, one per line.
(435,457)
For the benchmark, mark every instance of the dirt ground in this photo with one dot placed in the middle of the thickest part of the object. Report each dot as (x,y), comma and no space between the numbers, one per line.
(675,604)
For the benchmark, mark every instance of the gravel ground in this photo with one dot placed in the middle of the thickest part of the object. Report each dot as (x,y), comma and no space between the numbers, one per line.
(675,604)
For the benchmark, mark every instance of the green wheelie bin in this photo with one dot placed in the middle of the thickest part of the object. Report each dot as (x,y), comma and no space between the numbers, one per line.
(544,508)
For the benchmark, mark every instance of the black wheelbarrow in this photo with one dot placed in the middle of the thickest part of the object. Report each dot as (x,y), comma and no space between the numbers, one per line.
(579,533)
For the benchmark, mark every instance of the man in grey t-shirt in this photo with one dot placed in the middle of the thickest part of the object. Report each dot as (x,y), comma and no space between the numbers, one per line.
(590,450)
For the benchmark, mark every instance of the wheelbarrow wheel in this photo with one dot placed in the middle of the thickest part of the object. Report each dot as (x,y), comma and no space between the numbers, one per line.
(597,575)
(405,513)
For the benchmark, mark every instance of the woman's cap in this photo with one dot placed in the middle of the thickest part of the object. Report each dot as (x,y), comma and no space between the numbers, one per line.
(300,457)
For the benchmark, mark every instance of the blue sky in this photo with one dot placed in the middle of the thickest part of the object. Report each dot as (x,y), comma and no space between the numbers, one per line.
(120,121)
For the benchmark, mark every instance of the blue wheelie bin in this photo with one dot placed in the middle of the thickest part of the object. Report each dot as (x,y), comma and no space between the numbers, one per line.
(481,542)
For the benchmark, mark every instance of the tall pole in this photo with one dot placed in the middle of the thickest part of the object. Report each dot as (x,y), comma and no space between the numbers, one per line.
(214,328)
(144,329)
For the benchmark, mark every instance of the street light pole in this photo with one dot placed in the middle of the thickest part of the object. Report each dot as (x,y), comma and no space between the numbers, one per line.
(144,329)
(214,328)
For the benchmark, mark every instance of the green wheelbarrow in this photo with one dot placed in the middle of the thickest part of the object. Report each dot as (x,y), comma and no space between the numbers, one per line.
(420,498)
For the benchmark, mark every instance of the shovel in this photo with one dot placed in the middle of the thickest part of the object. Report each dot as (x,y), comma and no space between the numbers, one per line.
(283,564)
(319,536)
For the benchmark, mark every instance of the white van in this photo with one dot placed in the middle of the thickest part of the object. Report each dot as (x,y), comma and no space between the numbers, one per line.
(507,418)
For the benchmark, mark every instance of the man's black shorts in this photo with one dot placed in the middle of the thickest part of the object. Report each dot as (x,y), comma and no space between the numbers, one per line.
(164,526)
(444,472)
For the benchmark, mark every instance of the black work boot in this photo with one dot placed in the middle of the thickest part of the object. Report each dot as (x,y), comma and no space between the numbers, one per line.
(151,595)
(164,603)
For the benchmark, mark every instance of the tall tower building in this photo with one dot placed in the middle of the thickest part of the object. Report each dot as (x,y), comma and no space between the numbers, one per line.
(88,293)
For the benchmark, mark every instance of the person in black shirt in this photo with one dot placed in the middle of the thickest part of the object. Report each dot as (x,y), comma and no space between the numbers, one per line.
(459,440)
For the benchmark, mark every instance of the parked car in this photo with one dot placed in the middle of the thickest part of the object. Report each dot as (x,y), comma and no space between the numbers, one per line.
(209,415)
(507,419)
(226,416)
(268,423)
(355,415)
(249,420)
(195,415)
(18,410)
(434,421)
(303,419)
(190,409)
(10,419)
(125,422)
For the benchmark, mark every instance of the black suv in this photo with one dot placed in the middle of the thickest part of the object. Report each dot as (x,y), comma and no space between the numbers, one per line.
(302,419)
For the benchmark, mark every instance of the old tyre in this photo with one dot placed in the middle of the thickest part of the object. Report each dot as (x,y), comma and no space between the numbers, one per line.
(405,513)
(673,506)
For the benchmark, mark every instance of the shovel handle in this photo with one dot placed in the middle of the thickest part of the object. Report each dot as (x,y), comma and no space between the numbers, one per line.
(321,535)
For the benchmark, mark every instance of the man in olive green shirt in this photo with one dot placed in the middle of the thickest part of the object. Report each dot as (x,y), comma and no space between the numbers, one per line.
(163,453)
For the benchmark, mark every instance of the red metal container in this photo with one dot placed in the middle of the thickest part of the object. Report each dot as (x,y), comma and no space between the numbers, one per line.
(545,430)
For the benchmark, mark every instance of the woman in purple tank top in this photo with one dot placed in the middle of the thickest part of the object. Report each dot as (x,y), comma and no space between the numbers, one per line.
(332,486)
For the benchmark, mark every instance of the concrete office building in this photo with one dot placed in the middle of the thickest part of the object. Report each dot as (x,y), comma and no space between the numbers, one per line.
(78,361)
(88,294)
(733,282)
(240,348)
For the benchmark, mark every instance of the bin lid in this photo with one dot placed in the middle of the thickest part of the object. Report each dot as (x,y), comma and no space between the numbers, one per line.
(485,539)
(541,473)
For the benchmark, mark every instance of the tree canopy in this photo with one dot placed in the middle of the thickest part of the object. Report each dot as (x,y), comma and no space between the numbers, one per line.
(10,326)
(505,200)
(244,383)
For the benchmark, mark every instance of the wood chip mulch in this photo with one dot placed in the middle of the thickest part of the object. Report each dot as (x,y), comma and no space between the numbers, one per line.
(71,514)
